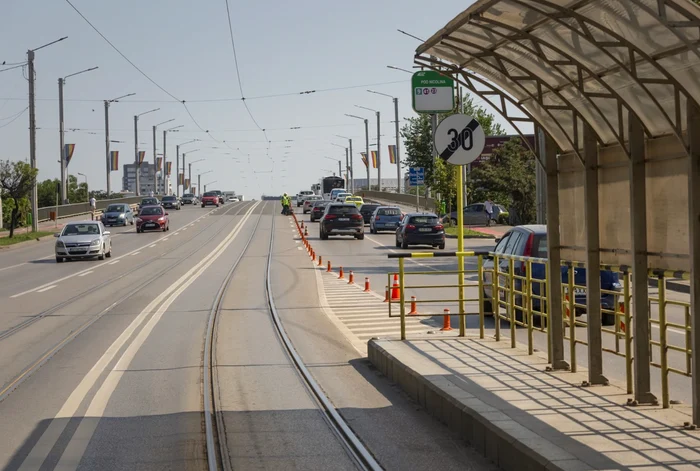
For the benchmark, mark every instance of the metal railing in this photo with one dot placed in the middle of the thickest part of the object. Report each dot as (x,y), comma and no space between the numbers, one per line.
(76,209)
(519,296)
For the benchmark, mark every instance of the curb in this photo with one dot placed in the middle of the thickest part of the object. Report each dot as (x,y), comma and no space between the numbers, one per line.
(486,237)
(26,242)
(509,445)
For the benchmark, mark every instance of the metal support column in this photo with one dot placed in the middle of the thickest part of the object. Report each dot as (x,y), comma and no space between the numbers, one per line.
(593,311)
(367,155)
(379,152)
(541,179)
(640,293)
(177,171)
(351,176)
(109,163)
(398,152)
(61,143)
(136,156)
(554,303)
(694,226)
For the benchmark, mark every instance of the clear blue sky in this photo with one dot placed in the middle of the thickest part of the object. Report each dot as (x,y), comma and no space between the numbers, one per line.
(184,46)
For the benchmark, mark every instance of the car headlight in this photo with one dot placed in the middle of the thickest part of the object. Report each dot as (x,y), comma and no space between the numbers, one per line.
(161,219)
(60,244)
(95,242)
(122,216)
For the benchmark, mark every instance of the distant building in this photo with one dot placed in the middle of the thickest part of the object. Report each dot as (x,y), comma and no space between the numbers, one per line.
(146,178)
(388,184)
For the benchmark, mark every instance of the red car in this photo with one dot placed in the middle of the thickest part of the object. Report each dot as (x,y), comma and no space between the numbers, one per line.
(152,218)
(210,197)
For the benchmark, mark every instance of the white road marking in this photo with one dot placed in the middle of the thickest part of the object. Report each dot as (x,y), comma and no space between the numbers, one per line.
(151,246)
(165,239)
(113,263)
(135,253)
(46,289)
(184,228)
(79,441)
(300,248)
(86,273)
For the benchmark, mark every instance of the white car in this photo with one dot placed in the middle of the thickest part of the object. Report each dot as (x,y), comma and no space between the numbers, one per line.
(340,197)
(302,195)
(83,239)
(232,199)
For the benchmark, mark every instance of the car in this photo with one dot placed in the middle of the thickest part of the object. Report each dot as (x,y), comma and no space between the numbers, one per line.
(232,199)
(367,209)
(150,201)
(340,197)
(170,202)
(220,195)
(318,209)
(210,197)
(341,219)
(152,218)
(309,202)
(335,192)
(531,241)
(420,229)
(356,200)
(118,214)
(301,196)
(83,239)
(385,218)
(476,215)
(189,198)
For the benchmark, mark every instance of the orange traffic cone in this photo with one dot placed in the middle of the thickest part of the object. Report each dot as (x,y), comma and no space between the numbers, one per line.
(367,284)
(329,266)
(446,320)
(395,288)
(351,279)
(340,275)
(313,256)
(386,295)
(320,261)
(414,309)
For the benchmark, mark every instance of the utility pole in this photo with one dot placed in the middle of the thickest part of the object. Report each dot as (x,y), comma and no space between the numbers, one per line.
(61,140)
(369,185)
(347,168)
(136,155)
(177,170)
(340,171)
(199,181)
(32,137)
(184,156)
(164,171)
(352,176)
(155,166)
(379,154)
(398,153)
(189,174)
(109,164)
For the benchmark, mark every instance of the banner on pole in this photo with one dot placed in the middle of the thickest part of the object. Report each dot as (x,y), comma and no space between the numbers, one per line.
(114,160)
(187,183)
(364,158)
(142,156)
(374,158)
(392,154)
(168,168)
(180,178)
(68,152)
(159,163)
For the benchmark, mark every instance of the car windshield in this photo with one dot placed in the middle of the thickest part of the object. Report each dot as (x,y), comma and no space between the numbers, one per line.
(389,212)
(116,208)
(427,220)
(151,211)
(210,193)
(149,201)
(169,198)
(80,229)
(343,210)
(187,195)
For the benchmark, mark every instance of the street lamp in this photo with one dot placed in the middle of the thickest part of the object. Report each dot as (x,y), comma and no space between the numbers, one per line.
(199,179)
(399,68)
(87,190)
(347,158)
(107,141)
(206,184)
(396,124)
(366,121)
(164,170)
(340,172)
(189,175)
(177,166)
(379,148)
(155,160)
(136,151)
(61,133)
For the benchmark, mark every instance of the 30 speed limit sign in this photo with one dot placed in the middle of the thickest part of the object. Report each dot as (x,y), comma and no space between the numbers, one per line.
(459,139)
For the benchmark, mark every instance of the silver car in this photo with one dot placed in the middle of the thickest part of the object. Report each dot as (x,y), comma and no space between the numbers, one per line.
(118,215)
(83,239)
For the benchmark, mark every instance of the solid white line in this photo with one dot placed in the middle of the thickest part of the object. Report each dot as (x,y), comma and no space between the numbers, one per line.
(15,266)
(46,289)
(175,234)
(113,263)
(151,246)
(165,239)
(135,253)
(86,273)
(184,228)
(300,248)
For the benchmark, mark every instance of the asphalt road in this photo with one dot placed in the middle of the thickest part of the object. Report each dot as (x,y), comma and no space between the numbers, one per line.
(103,371)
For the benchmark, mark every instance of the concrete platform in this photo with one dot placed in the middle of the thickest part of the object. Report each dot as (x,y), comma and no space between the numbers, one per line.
(504,403)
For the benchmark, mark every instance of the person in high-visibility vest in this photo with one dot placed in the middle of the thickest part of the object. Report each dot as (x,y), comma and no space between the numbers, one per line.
(285,204)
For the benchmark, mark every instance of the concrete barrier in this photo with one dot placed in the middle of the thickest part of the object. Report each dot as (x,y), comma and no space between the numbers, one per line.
(76,209)
(401,198)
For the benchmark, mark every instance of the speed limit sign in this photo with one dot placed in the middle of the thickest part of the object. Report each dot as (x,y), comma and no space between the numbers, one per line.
(459,139)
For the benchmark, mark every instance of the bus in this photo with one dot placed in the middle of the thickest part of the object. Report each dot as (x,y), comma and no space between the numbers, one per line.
(329,183)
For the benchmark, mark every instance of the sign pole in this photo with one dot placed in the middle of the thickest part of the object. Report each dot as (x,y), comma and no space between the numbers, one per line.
(460,251)
(417,198)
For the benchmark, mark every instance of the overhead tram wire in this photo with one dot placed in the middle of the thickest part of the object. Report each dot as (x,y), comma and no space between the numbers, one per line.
(14,118)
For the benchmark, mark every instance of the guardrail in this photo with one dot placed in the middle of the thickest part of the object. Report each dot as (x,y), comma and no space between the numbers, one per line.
(401,198)
(512,292)
(76,209)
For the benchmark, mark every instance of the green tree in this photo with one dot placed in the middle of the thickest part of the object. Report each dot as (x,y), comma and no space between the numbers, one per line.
(46,192)
(16,181)
(508,178)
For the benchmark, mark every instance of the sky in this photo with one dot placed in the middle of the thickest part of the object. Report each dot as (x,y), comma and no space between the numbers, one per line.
(184,47)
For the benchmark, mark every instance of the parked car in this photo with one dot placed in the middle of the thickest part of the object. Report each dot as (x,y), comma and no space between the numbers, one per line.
(302,195)
(342,219)
(420,229)
(150,201)
(318,209)
(118,215)
(531,241)
(152,218)
(189,198)
(210,197)
(309,202)
(476,215)
(170,202)
(356,200)
(367,209)
(385,218)
(83,239)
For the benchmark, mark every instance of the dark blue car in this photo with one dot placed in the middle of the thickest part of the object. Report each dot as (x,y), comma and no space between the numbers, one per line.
(531,241)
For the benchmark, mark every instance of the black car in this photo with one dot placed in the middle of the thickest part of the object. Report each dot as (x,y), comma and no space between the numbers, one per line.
(171,202)
(318,209)
(367,210)
(150,201)
(342,219)
(420,229)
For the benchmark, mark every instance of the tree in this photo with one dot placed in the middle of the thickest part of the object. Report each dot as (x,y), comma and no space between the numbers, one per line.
(16,181)
(508,177)
(46,192)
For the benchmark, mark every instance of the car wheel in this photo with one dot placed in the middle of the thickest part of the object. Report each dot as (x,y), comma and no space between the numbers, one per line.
(202,206)
(165,228)
(59,259)
(404,244)
(488,308)
(398,244)
(138,231)
(360,236)
(132,222)
(217,205)
(109,254)
(441,246)
(102,255)
(323,235)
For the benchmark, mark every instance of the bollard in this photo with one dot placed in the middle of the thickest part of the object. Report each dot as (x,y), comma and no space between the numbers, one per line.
(446,321)
(306,232)
(313,256)
(414,309)
(395,289)
(367,285)
(351,278)
(341,275)
(320,261)
(302,224)
(386,295)
(329,266)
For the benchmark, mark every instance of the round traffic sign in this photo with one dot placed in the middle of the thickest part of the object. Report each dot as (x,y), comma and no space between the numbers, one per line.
(459,139)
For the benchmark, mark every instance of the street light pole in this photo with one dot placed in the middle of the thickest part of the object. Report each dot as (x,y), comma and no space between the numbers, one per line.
(136,152)
(107,141)
(379,147)
(366,121)
(199,180)
(396,124)
(155,158)
(189,175)
(87,189)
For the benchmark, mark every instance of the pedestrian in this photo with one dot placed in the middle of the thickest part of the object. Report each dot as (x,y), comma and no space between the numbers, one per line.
(93,206)
(488,207)
(285,204)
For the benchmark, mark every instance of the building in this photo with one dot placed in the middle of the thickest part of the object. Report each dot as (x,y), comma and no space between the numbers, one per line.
(388,184)
(146,178)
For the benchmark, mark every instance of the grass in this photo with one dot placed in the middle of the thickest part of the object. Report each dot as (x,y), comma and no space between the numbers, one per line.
(21,236)
(468,233)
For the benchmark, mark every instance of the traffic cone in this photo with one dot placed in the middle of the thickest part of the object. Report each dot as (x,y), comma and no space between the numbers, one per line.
(313,256)
(622,323)
(386,295)
(367,285)
(320,261)
(306,232)
(446,320)
(395,288)
(351,278)
(414,309)
(302,224)
(329,266)
(340,275)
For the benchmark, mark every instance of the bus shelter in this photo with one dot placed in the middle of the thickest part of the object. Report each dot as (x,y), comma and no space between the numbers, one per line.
(613,89)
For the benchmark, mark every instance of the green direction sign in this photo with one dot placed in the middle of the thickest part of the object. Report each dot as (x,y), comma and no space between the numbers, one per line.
(432,92)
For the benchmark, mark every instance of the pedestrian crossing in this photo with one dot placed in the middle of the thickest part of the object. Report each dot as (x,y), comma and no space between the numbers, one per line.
(365,315)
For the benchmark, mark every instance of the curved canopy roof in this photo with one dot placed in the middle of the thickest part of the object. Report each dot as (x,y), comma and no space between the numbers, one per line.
(573,61)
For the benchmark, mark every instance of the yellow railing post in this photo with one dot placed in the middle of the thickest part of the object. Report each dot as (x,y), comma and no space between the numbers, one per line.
(688,340)
(663,342)
(528,310)
(460,250)
(402,301)
(511,301)
(495,297)
(572,318)
(628,333)
(480,269)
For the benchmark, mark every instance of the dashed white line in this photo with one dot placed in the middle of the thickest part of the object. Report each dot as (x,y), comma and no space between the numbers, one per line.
(165,239)
(86,273)
(46,289)
(151,246)
(113,263)
(299,248)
